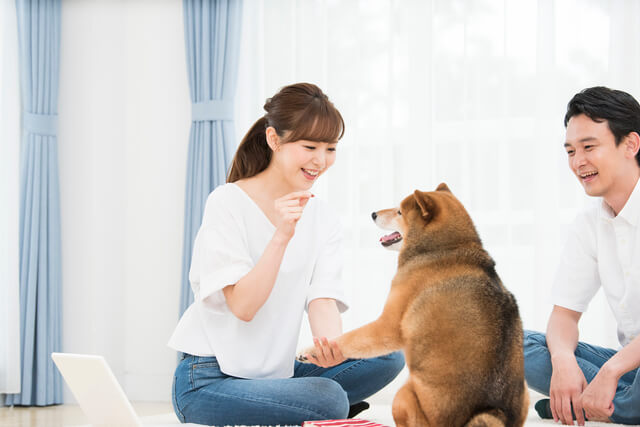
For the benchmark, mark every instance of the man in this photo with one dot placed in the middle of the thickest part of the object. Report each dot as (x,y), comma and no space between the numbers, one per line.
(603,250)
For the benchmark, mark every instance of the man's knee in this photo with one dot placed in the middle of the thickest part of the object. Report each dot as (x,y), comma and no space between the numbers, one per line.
(627,404)
(533,341)
(537,364)
(631,417)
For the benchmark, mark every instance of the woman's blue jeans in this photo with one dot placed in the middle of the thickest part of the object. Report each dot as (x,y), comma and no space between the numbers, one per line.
(203,394)
(537,368)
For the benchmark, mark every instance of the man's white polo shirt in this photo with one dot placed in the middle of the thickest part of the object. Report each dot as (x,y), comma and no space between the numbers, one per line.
(604,250)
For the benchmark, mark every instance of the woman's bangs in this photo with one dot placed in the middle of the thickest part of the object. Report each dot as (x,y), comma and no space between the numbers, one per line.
(318,125)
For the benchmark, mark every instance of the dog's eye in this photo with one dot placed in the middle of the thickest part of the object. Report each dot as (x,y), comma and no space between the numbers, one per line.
(399,213)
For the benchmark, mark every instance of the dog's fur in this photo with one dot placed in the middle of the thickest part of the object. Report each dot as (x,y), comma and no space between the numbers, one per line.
(447,309)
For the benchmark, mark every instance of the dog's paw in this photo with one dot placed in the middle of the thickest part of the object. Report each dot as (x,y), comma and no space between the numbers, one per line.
(302,356)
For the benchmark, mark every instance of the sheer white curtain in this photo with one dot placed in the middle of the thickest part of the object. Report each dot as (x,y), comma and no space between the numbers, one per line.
(9,178)
(469,93)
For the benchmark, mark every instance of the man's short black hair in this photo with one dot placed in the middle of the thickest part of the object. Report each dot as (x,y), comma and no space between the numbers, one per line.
(618,108)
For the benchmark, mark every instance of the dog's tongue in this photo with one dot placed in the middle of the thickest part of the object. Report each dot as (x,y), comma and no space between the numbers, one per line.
(390,237)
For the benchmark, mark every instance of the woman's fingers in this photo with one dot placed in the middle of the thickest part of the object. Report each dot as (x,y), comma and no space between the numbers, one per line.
(290,207)
(288,203)
(323,353)
(320,358)
(303,201)
(293,210)
(298,198)
(327,353)
(297,195)
(326,349)
(337,353)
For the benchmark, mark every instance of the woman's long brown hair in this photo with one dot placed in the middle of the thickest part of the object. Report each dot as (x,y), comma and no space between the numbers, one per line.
(298,111)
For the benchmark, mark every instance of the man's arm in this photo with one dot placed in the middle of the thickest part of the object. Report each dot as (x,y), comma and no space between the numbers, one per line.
(567,379)
(597,398)
(625,360)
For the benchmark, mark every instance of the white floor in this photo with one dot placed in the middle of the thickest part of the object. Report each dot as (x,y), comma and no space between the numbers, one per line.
(381,413)
(162,413)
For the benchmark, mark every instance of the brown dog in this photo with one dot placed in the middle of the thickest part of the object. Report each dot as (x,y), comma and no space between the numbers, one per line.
(447,309)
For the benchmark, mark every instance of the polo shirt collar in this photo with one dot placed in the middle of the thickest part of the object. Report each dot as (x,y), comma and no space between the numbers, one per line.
(630,211)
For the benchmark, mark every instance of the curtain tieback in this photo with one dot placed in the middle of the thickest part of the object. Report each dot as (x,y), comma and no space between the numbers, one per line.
(41,124)
(214,109)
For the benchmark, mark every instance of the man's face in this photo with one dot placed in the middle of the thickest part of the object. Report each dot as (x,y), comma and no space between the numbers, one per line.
(593,155)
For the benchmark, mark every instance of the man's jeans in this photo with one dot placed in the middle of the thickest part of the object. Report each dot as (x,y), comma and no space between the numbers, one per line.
(537,368)
(202,394)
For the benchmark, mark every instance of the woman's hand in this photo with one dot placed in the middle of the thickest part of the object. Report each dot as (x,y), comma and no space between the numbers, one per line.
(289,210)
(325,353)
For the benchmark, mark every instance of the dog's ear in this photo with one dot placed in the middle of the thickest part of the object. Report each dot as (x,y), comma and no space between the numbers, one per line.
(425,202)
(443,187)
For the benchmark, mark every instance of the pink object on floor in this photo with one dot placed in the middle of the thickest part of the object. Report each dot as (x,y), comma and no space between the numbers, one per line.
(342,423)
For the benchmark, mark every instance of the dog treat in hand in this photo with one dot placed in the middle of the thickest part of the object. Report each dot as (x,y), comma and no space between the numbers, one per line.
(342,423)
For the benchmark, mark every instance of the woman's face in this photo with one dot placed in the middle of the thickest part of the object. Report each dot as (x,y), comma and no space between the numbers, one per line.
(302,162)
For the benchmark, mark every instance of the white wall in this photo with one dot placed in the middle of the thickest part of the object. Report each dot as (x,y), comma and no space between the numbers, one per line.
(9,202)
(467,93)
(124,125)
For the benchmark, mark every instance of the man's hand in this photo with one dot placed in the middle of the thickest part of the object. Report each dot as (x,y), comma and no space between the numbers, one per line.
(597,397)
(567,384)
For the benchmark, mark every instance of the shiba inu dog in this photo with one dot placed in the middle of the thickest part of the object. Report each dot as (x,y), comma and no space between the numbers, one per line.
(447,309)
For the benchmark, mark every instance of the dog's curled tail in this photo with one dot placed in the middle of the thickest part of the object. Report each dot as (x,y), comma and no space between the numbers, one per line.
(492,418)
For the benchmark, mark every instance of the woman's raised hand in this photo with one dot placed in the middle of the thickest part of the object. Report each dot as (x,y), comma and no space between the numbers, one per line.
(289,210)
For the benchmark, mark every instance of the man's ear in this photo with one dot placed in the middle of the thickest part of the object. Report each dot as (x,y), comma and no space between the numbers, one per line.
(632,144)
(443,187)
(273,140)
(425,202)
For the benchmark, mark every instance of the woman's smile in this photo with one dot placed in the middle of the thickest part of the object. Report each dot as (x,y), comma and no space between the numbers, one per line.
(310,174)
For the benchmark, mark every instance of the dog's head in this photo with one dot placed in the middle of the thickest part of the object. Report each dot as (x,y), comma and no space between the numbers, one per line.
(436,215)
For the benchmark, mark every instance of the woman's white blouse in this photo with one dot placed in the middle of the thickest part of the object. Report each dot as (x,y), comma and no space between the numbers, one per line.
(231,240)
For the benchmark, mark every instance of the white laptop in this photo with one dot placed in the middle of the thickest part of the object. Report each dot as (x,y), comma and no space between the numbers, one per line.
(98,392)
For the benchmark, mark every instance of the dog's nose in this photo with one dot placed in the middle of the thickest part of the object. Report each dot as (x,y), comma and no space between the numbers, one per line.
(374,215)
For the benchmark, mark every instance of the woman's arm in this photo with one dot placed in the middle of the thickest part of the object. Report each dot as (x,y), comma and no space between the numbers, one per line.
(324,318)
(325,321)
(247,295)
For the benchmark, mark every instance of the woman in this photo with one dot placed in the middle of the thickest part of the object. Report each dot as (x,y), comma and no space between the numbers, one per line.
(265,252)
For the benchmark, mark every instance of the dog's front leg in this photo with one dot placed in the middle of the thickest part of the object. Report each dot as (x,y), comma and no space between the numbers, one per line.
(371,340)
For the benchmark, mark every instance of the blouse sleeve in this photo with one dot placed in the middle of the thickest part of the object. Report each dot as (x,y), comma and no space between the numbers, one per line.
(220,254)
(326,280)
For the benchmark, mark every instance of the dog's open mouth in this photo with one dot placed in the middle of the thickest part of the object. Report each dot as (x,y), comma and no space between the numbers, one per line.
(390,239)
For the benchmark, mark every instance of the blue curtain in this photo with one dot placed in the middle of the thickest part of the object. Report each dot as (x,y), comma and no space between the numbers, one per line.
(212,36)
(40,264)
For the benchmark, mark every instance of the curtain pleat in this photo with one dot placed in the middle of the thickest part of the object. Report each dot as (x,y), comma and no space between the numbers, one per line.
(212,33)
(40,242)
